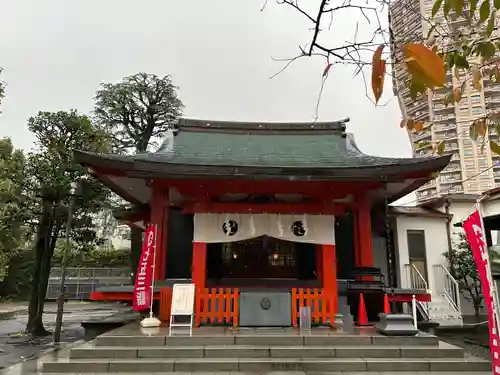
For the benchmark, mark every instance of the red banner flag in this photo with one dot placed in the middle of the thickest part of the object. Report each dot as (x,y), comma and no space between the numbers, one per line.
(145,271)
(474,231)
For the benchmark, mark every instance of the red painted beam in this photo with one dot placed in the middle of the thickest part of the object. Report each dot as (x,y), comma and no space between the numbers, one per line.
(271,208)
(424,297)
(115,296)
(204,189)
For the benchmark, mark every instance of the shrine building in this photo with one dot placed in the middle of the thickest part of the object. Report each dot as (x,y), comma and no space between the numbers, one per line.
(270,210)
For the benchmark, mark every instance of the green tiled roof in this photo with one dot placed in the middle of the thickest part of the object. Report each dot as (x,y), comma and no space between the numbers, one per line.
(267,150)
(304,150)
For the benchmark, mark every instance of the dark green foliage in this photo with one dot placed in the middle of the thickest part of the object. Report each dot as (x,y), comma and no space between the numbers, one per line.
(50,172)
(97,257)
(141,107)
(17,283)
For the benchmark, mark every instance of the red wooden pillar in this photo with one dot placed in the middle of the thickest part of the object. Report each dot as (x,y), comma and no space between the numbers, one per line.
(319,263)
(364,227)
(159,207)
(199,265)
(329,273)
(357,250)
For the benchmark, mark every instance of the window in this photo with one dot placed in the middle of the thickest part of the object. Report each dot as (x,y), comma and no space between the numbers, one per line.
(475,99)
(482,162)
(468,153)
(467,142)
(476,110)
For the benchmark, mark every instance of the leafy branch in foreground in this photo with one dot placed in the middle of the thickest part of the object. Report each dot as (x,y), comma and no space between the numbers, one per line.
(460,39)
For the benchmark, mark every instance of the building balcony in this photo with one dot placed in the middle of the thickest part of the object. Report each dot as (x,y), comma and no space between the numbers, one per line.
(493,103)
(452,168)
(438,128)
(441,108)
(429,185)
(419,105)
(421,194)
(423,116)
(491,90)
(418,137)
(450,179)
(458,188)
(451,147)
(437,97)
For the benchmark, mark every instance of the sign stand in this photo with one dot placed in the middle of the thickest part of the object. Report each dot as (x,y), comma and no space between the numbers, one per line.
(182,305)
(151,321)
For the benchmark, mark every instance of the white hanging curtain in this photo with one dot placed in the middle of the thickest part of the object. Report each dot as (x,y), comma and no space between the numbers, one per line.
(317,229)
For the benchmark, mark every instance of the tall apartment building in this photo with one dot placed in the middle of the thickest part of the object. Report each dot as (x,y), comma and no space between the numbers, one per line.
(471,168)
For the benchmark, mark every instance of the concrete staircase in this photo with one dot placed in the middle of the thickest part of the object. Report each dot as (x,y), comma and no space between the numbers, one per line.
(264,352)
(441,311)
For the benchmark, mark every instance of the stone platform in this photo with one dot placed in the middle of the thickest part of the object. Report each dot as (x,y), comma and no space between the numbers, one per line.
(218,349)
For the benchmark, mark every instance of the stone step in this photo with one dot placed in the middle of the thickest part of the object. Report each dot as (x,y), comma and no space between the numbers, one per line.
(252,351)
(291,373)
(264,364)
(282,340)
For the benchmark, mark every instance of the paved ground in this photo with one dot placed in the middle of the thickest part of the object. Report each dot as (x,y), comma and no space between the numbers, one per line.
(16,347)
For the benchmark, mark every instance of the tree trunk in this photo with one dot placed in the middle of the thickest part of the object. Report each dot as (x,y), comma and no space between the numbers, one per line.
(45,245)
(34,325)
(44,281)
(477,311)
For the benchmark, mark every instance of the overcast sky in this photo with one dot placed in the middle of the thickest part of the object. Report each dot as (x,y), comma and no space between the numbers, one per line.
(55,53)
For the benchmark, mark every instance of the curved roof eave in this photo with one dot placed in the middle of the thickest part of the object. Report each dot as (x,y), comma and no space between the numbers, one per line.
(133,165)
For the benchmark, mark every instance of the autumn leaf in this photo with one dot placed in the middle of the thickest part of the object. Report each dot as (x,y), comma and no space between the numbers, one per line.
(422,144)
(418,126)
(458,5)
(402,124)
(473,134)
(378,73)
(424,65)
(484,10)
(481,127)
(409,124)
(437,6)
(495,147)
(457,94)
(440,148)
(327,69)
(491,24)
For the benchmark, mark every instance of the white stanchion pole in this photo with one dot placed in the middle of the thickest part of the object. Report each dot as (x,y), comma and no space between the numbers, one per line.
(414,310)
(151,321)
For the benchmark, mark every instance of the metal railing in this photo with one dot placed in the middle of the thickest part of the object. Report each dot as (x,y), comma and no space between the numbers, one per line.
(80,282)
(447,286)
(413,279)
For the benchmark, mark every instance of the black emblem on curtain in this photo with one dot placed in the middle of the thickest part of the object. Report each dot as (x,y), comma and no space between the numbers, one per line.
(230,227)
(298,228)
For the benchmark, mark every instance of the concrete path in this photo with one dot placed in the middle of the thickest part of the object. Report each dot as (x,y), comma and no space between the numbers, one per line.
(17,347)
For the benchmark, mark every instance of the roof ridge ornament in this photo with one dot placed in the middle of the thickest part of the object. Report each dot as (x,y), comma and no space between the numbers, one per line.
(259,127)
(168,142)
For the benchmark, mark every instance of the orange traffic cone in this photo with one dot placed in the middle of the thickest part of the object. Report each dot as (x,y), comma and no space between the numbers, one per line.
(387,307)
(362,316)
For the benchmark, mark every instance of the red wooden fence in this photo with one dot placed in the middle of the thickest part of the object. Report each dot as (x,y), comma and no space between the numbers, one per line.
(323,305)
(220,305)
(216,305)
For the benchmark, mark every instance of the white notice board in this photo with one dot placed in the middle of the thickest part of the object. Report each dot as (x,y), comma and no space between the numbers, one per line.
(182,299)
